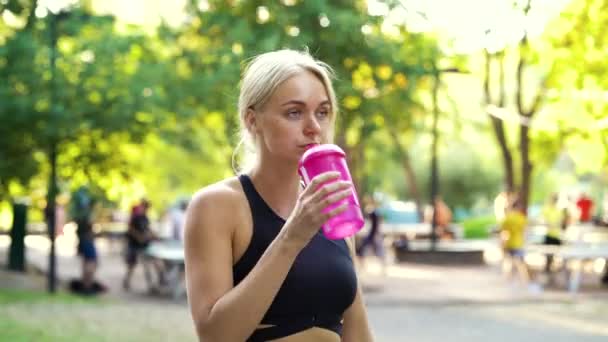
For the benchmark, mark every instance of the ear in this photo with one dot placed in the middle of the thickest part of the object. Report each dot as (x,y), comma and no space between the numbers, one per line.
(251,121)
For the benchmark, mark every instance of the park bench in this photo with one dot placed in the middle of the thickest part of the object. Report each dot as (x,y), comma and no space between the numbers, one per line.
(573,256)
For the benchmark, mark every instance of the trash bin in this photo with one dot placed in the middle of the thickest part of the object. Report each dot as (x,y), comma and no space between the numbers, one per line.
(16,256)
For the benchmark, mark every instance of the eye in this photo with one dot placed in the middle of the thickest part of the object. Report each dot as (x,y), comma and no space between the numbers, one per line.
(323,113)
(294,113)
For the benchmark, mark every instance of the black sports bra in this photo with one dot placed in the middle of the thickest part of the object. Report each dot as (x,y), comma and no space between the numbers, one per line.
(319,287)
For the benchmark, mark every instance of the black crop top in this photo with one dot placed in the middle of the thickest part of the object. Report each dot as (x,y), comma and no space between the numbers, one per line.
(319,287)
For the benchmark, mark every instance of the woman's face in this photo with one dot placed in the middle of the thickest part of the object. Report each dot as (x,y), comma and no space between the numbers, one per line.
(298,114)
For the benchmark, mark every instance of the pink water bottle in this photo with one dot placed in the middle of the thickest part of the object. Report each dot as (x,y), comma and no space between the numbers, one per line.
(329,157)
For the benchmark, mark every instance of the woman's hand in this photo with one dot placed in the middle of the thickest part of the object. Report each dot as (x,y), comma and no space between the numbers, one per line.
(307,217)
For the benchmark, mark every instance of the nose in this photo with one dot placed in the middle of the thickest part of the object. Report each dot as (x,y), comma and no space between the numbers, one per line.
(312,128)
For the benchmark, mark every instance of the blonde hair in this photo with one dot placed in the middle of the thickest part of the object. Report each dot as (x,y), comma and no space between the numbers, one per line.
(262,76)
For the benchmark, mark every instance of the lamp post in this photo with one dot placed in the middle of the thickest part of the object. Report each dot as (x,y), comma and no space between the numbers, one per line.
(434,167)
(53,17)
(436,73)
(56,13)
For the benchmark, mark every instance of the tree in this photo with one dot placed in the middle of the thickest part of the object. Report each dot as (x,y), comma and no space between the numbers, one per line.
(527,104)
(109,89)
(577,39)
(498,125)
(73,85)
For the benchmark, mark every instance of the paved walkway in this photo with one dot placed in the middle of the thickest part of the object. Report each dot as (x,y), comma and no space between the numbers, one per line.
(412,302)
(403,283)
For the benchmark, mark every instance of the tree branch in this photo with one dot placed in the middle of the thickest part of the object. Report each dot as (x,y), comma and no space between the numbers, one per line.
(519,75)
(503,91)
(486,80)
(31,16)
(539,98)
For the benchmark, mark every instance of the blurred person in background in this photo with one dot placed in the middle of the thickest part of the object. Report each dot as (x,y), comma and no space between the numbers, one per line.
(374,238)
(177,221)
(139,235)
(554,218)
(82,205)
(512,233)
(585,208)
(444,219)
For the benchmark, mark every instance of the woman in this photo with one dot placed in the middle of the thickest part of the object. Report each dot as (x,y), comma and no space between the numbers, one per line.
(258,268)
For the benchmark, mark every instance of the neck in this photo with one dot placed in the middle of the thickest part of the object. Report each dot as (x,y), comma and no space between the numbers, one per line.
(278,184)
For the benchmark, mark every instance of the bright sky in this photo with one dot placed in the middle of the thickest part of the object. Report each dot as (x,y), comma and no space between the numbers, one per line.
(139,12)
(464,22)
(143,12)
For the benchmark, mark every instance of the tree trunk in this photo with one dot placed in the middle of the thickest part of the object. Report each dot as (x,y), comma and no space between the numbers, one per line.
(507,158)
(434,163)
(525,117)
(526,164)
(410,175)
(497,123)
(360,162)
(354,159)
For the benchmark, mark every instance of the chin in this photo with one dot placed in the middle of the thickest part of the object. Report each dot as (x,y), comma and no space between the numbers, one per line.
(295,157)
(298,155)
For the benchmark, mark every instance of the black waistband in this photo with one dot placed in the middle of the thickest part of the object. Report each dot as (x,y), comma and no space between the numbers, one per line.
(289,325)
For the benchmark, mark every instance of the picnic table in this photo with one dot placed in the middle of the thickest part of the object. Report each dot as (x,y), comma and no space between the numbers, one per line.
(171,254)
(574,255)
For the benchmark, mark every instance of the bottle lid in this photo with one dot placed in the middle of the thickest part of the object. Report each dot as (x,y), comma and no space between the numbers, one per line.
(321,150)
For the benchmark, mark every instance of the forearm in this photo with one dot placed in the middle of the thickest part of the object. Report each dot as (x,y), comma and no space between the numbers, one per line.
(236,315)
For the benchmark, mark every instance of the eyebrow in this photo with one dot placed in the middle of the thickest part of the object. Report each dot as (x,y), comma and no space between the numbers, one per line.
(302,103)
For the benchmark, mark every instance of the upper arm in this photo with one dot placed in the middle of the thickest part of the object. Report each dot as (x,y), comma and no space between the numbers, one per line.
(356,326)
(208,251)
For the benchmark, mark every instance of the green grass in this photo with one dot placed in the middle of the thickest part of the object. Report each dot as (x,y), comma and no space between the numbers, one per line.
(21,331)
(21,320)
(38,316)
(478,227)
(12,296)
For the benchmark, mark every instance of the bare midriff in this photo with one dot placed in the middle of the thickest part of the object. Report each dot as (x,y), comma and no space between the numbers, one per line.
(312,334)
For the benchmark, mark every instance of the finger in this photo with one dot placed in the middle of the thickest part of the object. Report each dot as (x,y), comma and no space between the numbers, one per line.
(328,189)
(336,211)
(322,178)
(335,197)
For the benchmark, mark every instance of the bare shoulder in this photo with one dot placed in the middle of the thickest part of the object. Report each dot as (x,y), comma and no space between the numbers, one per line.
(214,204)
(216,195)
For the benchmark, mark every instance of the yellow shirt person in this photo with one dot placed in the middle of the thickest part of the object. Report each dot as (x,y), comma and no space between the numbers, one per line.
(553,217)
(513,229)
